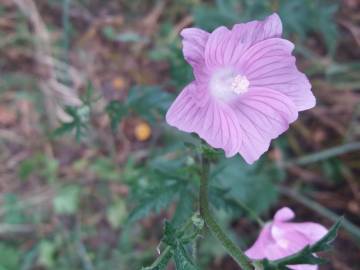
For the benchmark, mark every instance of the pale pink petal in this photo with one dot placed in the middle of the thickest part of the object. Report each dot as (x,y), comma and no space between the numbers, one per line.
(270,64)
(194,41)
(313,231)
(225,47)
(280,238)
(216,47)
(284,214)
(263,114)
(304,267)
(258,249)
(213,121)
(257,31)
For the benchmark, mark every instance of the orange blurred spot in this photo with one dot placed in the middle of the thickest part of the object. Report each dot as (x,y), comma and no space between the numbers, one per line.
(118,83)
(142,131)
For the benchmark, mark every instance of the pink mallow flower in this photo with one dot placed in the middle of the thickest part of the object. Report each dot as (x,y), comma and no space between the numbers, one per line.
(247,88)
(282,238)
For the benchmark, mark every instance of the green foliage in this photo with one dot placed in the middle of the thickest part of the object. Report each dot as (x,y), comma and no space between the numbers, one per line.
(116,110)
(14,212)
(306,255)
(67,200)
(149,102)
(9,257)
(155,200)
(40,165)
(176,240)
(181,257)
(78,123)
(117,213)
(47,250)
(105,169)
(254,186)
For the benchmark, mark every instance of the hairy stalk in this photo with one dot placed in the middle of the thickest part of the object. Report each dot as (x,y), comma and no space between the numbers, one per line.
(211,223)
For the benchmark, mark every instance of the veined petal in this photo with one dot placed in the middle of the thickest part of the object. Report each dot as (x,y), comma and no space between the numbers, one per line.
(216,46)
(270,64)
(225,47)
(213,121)
(257,31)
(263,114)
(194,41)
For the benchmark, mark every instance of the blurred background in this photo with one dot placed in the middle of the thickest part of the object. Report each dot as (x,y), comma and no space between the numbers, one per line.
(89,169)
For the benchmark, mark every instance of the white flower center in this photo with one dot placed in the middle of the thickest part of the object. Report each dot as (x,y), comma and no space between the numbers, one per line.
(240,84)
(227,85)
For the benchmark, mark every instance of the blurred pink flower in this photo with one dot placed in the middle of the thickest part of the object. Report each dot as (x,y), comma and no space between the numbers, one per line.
(247,88)
(282,238)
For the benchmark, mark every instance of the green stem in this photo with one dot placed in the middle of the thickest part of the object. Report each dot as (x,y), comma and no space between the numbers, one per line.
(211,223)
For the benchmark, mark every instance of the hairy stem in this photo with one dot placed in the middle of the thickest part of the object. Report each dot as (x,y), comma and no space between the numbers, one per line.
(211,223)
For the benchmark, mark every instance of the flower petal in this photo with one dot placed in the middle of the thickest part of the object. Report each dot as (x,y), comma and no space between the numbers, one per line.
(257,250)
(213,121)
(263,114)
(270,64)
(225,47)
(284,214)
(313,231)
(216,47)
(194,41)
(256,31)
(304,267)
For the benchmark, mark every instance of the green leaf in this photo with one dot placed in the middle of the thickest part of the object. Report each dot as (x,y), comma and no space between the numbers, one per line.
(67,200)
(78,123)
(116,111)
(253,185)
(182,259)
(155,201)
(149,101)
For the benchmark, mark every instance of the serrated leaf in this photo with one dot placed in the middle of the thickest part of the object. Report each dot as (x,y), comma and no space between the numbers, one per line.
(182,259)
(154,202)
